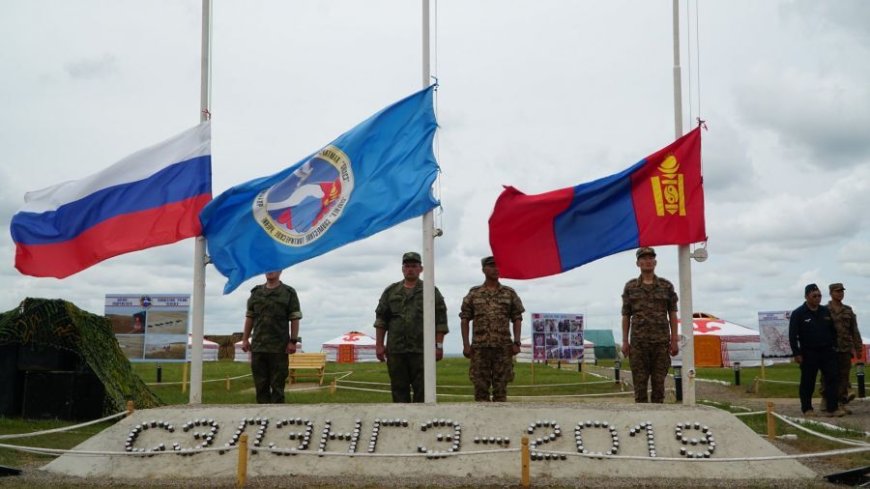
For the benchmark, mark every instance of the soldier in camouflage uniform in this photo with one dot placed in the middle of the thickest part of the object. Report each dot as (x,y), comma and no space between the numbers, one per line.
(399,318)
(848,343)
(270,308)
(649,314)
(492,308)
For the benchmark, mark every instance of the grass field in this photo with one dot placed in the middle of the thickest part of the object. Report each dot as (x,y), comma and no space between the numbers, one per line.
(452,375)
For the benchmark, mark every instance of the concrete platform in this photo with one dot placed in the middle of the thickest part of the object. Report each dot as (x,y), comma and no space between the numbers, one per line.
(729,438)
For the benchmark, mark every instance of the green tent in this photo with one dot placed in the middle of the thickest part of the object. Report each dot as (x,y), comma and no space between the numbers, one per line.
(605,346)
(45,325)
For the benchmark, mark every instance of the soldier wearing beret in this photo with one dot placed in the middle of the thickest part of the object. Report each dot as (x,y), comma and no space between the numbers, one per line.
(271,307)
(399,319)
(848,344)
(649,327)
(812,337)
(493,308)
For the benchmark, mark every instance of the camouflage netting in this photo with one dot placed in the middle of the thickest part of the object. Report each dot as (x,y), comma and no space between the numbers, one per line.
(60,324)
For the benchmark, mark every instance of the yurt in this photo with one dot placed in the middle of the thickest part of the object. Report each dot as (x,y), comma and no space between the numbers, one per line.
(351,347)
(240,355)
(209,349)
(605,346)
(720,343)
(525,354)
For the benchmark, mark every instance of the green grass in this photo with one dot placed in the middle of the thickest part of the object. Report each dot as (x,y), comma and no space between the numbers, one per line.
(452,375)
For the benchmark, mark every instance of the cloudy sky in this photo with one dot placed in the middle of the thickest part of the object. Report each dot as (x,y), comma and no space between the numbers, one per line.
(539,95)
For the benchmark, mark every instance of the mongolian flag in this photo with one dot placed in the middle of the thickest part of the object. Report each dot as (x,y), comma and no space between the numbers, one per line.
(657,201)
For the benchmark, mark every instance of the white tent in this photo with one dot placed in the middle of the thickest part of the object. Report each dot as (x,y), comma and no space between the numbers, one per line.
(242,356)
(720,343)
(525,354)
(351,347)
(209,349)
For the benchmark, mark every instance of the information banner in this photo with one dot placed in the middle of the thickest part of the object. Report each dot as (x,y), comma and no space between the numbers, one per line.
(150,327)
(557,336)
(773,329)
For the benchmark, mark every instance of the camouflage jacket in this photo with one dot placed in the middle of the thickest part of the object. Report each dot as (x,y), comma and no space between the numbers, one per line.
(492,311)
(271,311)
(400,313)
(846,325)
(647,307)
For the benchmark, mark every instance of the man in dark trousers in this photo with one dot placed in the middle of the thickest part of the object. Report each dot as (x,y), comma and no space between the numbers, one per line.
(272,307)
(812,337)
(399,318)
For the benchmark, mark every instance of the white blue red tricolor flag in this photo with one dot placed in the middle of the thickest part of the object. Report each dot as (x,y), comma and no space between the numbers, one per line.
(150,198)
(376,175)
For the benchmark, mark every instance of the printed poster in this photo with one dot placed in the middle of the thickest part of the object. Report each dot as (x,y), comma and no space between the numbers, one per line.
(150,327)
(773,329)
(557,336)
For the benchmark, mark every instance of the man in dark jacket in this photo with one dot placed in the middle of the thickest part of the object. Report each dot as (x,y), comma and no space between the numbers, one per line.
(812,337)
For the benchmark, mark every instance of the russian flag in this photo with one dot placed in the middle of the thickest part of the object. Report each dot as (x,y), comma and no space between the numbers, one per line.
(657,201)
(150,198)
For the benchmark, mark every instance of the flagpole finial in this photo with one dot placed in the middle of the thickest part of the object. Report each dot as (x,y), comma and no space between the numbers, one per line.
(701,123)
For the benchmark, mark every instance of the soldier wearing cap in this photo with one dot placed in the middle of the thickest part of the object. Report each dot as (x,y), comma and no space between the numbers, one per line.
(271,307)
(399,319)
(492,307)
(649,327)
(848,344)
(812,337)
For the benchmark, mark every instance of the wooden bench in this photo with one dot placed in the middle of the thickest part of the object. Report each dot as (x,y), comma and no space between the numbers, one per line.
(307,365)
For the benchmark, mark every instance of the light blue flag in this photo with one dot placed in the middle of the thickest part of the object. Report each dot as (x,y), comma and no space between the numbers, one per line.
(376,175)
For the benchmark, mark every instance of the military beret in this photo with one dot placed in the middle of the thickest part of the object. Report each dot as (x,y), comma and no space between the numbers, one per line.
(489,260)
(411,256)
(645,251)
(836,286)
(810,288)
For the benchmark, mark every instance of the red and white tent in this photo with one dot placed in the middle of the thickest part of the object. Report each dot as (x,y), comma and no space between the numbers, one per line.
(241,356)
(351,347)
(209,349)
(720,343)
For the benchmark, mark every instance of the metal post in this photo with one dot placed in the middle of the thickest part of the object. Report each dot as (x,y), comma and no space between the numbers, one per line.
(429,375)
(184,378)
(859,372)
(579,364)
(617,365)
(736,373)
(130,407)
(159,374)
(678,383)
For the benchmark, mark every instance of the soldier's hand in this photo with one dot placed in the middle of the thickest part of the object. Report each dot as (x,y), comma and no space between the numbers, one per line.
(798,359)
(515,349)
(246,346)
(439,354)
(675,348)
(291,348)
(626,349)
(466,351)
(381,353)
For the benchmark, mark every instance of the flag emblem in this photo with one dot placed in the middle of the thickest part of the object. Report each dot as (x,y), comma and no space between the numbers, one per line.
(301,208)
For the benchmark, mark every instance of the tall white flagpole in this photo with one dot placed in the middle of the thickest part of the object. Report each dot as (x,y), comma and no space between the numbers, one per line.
(683,255)
(199,258)
(429,377)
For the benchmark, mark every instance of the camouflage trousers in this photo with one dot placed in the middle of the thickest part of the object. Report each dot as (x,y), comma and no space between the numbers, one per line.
(491,367)
(844,368)
(406,372)
(270,371)
(649,364)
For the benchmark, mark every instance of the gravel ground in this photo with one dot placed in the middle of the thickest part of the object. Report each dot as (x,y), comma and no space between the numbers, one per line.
(860,420)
